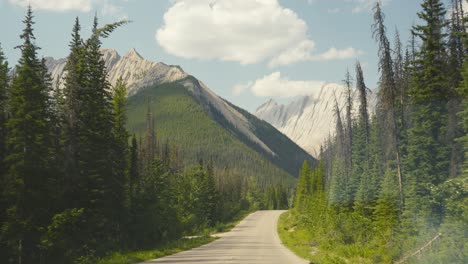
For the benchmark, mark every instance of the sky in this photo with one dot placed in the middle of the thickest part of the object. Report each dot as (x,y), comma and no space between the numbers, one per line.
(247,51)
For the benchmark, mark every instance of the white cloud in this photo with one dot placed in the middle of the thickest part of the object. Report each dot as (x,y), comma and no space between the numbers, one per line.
(300,52)
(366,5)
(304,51)
(245,31)
(240,88)
(106,6)
(275,85)
(338,54)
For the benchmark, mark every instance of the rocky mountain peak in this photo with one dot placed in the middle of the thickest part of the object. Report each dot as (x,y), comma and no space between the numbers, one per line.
(309,119)
(133,54)
(139,73)
(267,105)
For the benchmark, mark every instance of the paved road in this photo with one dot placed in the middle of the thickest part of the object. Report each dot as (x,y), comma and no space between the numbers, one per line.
(253,241)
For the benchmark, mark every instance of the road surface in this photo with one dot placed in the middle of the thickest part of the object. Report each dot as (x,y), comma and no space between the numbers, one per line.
(253,241)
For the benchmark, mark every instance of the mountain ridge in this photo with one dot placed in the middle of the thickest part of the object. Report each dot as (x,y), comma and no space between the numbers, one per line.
(310,119)
(141,74)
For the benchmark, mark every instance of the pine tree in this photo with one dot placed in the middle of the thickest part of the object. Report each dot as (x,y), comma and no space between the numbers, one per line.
(455,63)
(348,131)
(388,97)
(148,146)
(92,103)
(4,83)
(133,172)
(386,210)
(71,106)
(428,157)
(463,114)
(210,194)
(119,154)
(363,107)
(401,100)
(361,150)
(303,186)
(28,152)
(339,183)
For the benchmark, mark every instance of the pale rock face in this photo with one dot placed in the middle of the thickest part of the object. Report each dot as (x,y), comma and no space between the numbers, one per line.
(135,71)
(139,74)
(308,120)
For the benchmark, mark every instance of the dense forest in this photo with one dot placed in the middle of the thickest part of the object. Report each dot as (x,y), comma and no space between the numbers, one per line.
(182,121)
(392,184)
(76,185)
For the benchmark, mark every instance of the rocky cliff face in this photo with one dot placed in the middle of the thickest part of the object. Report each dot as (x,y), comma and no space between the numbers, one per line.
(308,120)
(140,74)
(134,70)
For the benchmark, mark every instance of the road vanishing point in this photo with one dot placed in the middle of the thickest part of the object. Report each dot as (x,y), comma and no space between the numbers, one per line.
(254,240)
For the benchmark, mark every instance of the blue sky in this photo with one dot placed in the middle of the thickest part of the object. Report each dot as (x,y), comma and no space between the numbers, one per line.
(247,51)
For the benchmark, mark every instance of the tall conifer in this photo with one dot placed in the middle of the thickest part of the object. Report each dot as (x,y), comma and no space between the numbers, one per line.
(28,151)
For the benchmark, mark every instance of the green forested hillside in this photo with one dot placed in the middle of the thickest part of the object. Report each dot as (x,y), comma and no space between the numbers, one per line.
(182,122)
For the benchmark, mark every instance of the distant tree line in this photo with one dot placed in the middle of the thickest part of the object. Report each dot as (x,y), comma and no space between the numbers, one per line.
(390,181)
(76,185)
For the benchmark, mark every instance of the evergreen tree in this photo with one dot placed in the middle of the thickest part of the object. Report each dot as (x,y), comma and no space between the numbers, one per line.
(4,83)
(133,172)
(28,152)
(339,183)
(463,114)
(349,122)
(73,127)
(119,152)
(386,210)
(148,146)
(363,107)
(210,194)
(388,96)
(361,147)
(454,73)
(427,160)
(303,186)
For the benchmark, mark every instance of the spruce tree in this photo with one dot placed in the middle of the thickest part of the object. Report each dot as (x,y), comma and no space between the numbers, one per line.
(28,152)
(210,194)
(119,153)
(3,136)
(133,172)
(4,82)
(386,210)
(339,183)
(361,149)
(463,114)
(348,131)
(71,106)
(388,97)
(303,186)
(454,72)
(428,156)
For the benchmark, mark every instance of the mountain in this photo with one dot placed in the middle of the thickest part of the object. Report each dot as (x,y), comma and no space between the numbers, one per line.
(307,120)
(201,124)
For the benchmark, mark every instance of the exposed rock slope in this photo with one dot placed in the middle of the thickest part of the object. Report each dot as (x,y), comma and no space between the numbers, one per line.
(308,120)
(141,74)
